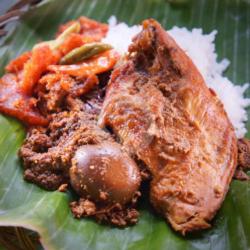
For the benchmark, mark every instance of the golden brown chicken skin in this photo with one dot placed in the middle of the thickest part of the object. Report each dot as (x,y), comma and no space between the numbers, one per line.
(159,107)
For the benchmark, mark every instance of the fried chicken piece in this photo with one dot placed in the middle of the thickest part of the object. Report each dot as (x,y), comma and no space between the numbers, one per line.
(159,107)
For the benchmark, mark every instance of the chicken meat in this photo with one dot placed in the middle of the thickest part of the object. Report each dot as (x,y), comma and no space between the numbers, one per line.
(160,109)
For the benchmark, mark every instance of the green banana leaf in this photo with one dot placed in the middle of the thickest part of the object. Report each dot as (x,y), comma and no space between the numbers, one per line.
(24,204)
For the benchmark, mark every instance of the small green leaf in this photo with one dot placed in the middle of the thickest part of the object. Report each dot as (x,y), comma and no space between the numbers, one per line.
(84,52)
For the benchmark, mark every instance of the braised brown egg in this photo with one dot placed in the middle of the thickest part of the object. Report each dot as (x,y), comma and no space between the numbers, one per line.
(104,173)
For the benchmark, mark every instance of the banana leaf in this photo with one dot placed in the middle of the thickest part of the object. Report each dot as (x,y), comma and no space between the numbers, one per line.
(24,204)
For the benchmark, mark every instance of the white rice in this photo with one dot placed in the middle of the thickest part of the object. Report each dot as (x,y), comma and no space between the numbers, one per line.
(120,34)
(201,49)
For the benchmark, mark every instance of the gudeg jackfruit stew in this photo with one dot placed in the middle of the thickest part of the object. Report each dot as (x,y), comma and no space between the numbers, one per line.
(101,123)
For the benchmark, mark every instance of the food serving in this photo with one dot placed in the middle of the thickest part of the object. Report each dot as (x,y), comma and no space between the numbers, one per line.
(104,116)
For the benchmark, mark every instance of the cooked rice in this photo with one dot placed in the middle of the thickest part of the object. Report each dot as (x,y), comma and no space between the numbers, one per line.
(201,49)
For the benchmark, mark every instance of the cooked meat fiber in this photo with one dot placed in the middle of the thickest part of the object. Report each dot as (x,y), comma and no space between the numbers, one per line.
(159,106)
(244,153)
(243,160)
(47,152)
